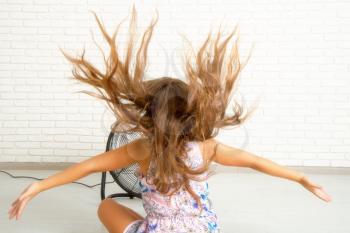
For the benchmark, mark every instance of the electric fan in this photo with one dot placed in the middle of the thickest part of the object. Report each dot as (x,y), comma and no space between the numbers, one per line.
(124,177)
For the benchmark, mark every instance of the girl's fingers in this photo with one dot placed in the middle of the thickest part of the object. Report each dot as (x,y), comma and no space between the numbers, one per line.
(13,203)
(17,211)
(323,195)
(14,212)
(21,208)
(18,205)
(327,196)
(20,198)
(317,190)
(12,209)
(14,206)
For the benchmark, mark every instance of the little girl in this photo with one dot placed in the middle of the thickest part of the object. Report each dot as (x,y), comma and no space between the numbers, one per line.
(178,121)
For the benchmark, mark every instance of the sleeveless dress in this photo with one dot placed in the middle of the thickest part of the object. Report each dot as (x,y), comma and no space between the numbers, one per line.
(178,213)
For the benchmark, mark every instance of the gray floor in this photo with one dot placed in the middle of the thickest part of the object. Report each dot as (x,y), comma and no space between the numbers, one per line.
(246,202)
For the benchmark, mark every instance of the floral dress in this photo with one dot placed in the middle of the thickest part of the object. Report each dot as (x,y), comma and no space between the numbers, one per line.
(178,213)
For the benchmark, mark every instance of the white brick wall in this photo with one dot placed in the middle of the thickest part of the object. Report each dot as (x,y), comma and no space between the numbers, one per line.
(299,68)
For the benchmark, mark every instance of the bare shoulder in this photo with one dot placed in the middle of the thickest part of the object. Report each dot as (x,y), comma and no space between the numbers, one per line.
(139,149)
(213,146)
(207,148)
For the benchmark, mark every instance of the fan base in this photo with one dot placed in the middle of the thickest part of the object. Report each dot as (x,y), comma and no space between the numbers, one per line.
(121,195)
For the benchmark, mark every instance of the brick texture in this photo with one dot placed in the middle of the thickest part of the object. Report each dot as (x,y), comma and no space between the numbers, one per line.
(299,70)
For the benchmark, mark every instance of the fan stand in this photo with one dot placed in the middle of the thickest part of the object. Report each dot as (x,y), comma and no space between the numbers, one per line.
(128,193)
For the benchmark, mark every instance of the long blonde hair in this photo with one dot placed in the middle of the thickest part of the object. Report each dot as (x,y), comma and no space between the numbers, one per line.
(167,111)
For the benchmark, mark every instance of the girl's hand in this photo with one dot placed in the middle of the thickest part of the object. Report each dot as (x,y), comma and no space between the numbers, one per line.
(315,189)
(18,205)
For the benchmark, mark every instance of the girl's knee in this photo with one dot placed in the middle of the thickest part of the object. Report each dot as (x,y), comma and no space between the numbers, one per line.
(103,205)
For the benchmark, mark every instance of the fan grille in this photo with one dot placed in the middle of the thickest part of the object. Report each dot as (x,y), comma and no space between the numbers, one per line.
(126,177)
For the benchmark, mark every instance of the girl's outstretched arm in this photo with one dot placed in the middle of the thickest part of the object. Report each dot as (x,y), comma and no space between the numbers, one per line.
(230,156)
(107,161)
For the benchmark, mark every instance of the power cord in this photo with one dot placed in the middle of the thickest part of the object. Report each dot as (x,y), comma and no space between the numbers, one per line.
(89,186)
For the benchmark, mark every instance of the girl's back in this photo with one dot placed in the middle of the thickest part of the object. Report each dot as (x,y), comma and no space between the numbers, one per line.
(168,109)
(179,212)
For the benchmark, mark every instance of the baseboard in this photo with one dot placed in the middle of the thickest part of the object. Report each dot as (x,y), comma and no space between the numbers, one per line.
(216,168)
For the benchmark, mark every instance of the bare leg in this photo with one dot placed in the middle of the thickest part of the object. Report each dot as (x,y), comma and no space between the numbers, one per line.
(115,216)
